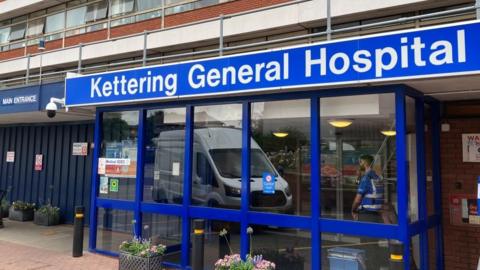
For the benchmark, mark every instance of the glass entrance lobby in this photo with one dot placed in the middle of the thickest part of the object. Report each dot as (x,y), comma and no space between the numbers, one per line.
(303,178)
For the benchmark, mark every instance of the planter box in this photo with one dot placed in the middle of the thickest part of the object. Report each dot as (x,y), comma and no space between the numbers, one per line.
(25,215)
(5,212)
(46,220)
(129,262)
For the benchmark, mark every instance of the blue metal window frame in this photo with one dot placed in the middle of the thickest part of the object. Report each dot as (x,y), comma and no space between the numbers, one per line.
(403,231)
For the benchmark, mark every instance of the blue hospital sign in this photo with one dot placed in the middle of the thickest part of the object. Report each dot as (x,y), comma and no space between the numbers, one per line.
(418,53)
(268,183)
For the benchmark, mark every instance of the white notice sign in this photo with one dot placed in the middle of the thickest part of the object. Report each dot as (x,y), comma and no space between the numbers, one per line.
(471,147)
(10,156)
(79,149)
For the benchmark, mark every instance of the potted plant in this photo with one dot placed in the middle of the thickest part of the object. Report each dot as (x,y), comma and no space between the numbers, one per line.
(5,205)
(235,262)
(140,254)
(21,211)
(47,215)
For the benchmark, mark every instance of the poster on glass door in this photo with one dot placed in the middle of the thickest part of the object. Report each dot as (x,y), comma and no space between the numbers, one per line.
(471,147)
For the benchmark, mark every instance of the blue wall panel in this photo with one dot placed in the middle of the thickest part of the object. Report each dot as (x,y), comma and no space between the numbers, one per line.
(65,180)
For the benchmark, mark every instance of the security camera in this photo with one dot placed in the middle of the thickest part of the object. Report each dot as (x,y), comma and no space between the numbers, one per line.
(52,106)
(51,109)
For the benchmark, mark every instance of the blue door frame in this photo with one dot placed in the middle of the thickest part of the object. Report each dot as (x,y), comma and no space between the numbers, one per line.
(403,231)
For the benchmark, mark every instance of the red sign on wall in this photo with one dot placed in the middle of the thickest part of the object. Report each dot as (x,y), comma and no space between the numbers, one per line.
(38,162)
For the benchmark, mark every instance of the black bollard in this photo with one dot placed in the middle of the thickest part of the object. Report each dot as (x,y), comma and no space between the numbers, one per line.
(396,255)
(78,232)
(1,216)
(198,240)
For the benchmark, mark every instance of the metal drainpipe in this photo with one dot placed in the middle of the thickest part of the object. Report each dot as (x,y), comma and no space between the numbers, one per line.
(477,6)
(80,49)
(329,20)
(145,37)
(220,41)
(27,75)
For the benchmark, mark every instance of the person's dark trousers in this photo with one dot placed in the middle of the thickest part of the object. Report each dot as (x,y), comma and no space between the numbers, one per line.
(375,256)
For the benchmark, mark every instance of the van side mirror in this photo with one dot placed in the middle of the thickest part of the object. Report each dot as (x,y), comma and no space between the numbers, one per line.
(204,170)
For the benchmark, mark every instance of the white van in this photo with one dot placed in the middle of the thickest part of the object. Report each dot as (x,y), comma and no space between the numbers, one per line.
(216,171)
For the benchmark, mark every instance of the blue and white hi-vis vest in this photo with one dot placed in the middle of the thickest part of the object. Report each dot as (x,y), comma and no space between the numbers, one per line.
(372,190)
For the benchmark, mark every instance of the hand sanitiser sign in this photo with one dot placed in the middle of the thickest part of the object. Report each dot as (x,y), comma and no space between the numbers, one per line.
(419,53)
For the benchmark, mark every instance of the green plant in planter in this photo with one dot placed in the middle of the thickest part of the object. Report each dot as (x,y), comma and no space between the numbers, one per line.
(5,205)
(235,262)
(140,254)
(22,206)
(21,211)
(47,215)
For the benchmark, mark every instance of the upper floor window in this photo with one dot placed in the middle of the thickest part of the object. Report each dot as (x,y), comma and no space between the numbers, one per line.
(76,16)
(17,31)
(96,11)
(55,22)
(120,7)
(4,33)
(35,27)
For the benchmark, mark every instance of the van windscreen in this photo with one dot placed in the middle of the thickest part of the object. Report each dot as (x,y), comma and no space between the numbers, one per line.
(229,162)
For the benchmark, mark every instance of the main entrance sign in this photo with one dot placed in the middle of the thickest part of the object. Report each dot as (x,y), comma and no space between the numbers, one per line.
(436,51)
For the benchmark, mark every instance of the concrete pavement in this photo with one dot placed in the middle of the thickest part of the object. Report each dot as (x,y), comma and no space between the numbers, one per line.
(25,246)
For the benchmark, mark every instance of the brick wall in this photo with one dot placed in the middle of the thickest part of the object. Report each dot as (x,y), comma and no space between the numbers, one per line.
(462,243)
(152,24)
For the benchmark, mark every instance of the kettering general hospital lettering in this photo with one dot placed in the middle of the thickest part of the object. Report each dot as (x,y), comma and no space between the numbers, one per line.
(316,62)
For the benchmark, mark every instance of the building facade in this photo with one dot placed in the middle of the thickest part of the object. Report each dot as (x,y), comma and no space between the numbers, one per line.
(251,116)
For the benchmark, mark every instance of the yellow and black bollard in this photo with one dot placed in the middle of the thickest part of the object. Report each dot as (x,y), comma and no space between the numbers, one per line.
(77,250)
(198,240)
(396,255)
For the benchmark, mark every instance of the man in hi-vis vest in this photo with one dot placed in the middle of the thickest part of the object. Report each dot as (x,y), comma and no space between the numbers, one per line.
(368,202)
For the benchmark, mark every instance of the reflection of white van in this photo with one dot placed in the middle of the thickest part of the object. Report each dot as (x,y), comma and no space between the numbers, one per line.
(216,171)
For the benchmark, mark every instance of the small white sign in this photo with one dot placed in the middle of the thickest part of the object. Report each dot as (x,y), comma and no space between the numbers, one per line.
(156,175)
(176,168)
(101,165)
(10,156)
(103,185)
(80,149)
(471,147)
(117,161)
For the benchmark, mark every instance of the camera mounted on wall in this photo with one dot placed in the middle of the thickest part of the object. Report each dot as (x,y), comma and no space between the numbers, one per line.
(52,106)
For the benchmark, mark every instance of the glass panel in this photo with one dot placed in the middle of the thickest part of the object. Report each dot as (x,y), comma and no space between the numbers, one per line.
(415,252)
(358,162)
(429,159)
(35,27)
(179,8)
(122,21)
(217,156)
(113,227)
(149,15)
(148,4)
(412,158)
(117,165)
(96,11)
(432,248)
(76,17)
(4,34)
(17,32)
(119,7)
(281,152)
(55,22)
(218,245)
(164,154)
(288,248)
(341,251)
(205,3)
(165,230)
